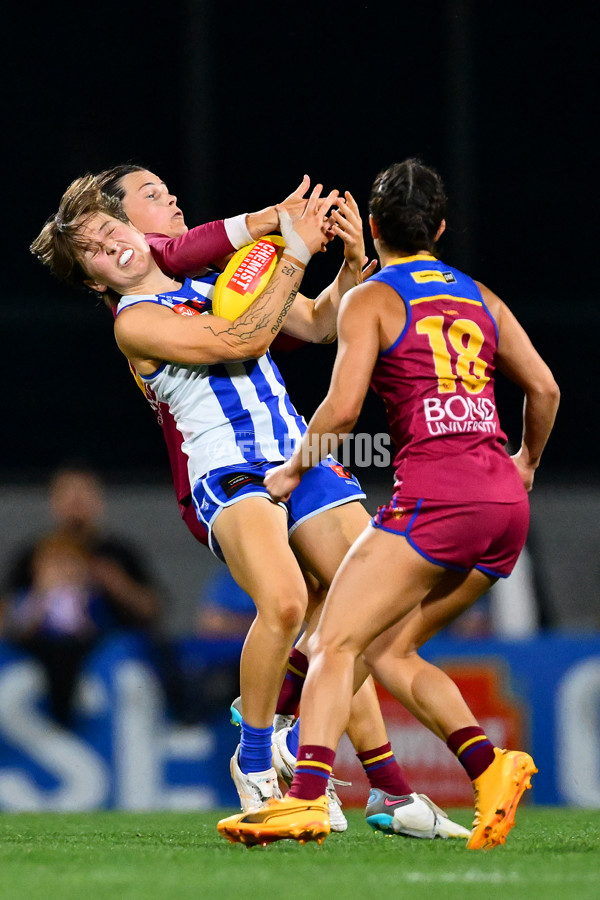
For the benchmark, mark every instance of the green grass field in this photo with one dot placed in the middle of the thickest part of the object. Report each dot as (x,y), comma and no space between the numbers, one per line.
(551,853)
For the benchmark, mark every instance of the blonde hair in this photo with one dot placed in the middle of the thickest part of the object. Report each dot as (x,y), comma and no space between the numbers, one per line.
(60,244)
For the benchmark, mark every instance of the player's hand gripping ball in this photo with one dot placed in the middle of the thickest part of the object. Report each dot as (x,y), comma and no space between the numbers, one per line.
(246,275)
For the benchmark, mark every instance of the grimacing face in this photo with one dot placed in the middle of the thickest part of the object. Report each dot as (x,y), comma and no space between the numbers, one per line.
(149,205)
(116,254)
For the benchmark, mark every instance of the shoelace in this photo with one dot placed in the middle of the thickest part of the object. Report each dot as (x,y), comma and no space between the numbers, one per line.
(433,806)
(339,781)
(331,792)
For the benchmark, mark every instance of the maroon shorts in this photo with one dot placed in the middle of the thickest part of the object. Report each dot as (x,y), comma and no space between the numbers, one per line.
(190,517)
(461,536)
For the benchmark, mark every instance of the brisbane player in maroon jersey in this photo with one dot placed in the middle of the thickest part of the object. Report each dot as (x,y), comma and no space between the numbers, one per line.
(429,340)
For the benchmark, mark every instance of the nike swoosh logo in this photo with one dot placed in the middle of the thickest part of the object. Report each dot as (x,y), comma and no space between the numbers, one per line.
(387,802)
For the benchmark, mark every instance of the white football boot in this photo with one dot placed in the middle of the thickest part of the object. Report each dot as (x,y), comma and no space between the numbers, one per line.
(254,788)
(411,815)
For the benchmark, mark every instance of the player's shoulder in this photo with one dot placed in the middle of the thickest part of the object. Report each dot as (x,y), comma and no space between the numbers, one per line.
(371,298)
(364,295)
(357,302)
(141,304)
(135,317)
(361,308)
(492,301)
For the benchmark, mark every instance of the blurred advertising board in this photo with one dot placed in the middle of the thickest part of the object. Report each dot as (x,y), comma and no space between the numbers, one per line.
(542,695)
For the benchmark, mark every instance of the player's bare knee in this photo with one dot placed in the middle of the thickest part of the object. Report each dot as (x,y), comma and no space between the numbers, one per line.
(329,648)
(284,611)
(291,615)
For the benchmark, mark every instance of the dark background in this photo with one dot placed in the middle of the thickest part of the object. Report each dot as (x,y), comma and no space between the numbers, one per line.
(231,104)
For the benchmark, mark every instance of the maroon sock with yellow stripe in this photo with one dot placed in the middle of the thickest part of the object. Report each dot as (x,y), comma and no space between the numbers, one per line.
(291,689)
(383,771)
(473,750)
(313,768)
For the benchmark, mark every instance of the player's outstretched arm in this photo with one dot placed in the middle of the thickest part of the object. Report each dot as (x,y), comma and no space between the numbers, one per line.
(316,320)
(147,332)
(358,346)
(189,253)
(518,359)
(211,243)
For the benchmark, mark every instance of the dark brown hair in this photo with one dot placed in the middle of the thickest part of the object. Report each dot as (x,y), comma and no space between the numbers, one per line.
(408,203)
(110,179)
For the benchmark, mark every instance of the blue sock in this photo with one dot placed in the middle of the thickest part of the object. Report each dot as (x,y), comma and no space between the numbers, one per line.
(293,738)
(255,749)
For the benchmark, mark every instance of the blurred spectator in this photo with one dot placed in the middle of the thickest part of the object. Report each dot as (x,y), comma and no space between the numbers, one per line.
(55,619)
(210,661)
(66,590)
(76,500)
(224,609)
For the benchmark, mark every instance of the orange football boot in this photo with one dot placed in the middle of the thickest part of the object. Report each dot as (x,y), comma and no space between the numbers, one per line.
(497,793)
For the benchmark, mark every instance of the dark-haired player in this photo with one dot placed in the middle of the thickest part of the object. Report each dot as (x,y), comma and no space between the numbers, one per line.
(429,339)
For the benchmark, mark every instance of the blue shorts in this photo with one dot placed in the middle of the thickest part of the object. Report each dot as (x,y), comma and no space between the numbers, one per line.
(323,487)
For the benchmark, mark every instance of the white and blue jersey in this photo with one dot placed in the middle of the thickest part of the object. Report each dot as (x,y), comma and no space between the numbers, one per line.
(237,421)
(229,413)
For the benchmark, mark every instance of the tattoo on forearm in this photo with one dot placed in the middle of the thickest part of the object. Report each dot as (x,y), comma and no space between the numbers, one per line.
(283,312)
(259,314)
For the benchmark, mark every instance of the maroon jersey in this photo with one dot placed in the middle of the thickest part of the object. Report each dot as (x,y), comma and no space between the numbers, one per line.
(177,459)
(437,383)
(193,251)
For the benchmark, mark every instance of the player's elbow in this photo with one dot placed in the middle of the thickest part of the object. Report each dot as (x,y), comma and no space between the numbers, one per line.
(325,337)
(542,400)
(252,348)
(547,390)
(344,413)
(322,329)
(260,346)
(554,393)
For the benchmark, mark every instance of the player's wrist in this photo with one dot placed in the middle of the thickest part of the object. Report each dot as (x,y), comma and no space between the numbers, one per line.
(294,243)
(262,222)
(354,270)
(296,263)
(237,230)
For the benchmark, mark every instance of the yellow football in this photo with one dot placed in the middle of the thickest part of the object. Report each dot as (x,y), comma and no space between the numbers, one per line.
(246,275)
